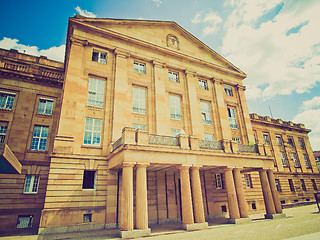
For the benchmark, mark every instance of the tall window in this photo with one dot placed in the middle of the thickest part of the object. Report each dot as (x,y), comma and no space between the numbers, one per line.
(301,143)
(295,160)
(89,180)
(175,107)
(306,160)
(175,132)
(95,92)
(174,77)
(139,126)
(283,159)
(31,184)
(139,67)
(6,100)
(279,140)
(290,141)
(291,185)
(99,57)
(303,185)
(314,185)
(208,137)
(92,132)
(203,84)
(277,181)
(39,138)
(45,106)
(266,138)
(228,90)
(248,181)
(232,118)
(237,140)
(219,181)
(205,112)
(139,100)
(3,131)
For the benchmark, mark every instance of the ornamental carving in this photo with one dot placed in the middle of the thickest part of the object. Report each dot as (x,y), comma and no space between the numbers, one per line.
(173,41)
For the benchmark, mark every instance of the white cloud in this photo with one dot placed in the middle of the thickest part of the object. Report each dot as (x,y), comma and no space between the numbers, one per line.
(211,21)
(313,103)
(53,53)
(85,13)
(157,2)
(276,63)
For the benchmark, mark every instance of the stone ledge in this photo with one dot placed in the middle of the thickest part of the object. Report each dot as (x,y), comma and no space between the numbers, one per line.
(195,226)
(275,216)
(70,229)
(239,220)
(135,233)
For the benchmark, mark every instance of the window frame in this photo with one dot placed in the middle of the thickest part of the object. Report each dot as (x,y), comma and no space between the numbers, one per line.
(95,97)
(291,185)
(314,184)
(175,111)
(139,105)
(278,185)
(248,181)
(3,130)
(301,143)
(94,180)
(303,185)
(306,161)
(279,140)
(209,137)
(34,179)
(203,84)
(93,132)
(45,107)
(266,138)
(238,140)
(295,159)
(205,113)
(232,116)
(8,103)
(99,59)
(139,67)
(228,90)
(173,79)
(175,132)
(137,126)
(283,159)
(291,143)
(40,137)
(219,181)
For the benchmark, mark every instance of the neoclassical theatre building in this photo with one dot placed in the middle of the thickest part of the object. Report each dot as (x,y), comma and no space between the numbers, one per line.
(150,126)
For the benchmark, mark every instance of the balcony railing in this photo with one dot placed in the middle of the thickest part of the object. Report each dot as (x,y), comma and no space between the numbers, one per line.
(163,140)
(16,67)
(214,145)
(117,144)
(248,148)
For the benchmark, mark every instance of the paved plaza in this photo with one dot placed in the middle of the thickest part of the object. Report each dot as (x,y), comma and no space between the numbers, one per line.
(300,223)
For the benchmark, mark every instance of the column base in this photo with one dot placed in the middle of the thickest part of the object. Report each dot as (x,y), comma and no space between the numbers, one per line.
(275,216)
(135,233)
(195,226)
(239,220)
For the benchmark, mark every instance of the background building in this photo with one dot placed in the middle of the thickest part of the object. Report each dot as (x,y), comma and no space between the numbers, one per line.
(153,127)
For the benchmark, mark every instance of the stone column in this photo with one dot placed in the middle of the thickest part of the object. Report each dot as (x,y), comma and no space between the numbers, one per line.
(126,212)
(243,206)
(274,191)
(232,196)
(186,200)
(141,197)
(267,195)
(197,196)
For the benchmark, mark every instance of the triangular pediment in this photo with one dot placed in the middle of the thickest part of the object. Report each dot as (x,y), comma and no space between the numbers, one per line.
(165,34)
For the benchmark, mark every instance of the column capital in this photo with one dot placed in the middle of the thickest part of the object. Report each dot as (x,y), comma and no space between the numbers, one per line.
(262,170)
(190,73)
(142,165)
(241,87)
(121,53)
(196,167)
(159,64)
(217,80)
(183,167)
(79,42)
(128,164)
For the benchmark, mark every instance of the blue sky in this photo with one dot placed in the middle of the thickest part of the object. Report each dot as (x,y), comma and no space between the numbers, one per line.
(275,42)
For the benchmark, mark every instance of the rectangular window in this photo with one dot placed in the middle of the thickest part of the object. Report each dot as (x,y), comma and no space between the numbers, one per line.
(248,181)
(45,106)
(139,100)
(6,100)
(139,126)
(277,181)
(203,84)
(266,138)
(290,141)
(219,181)
(306,160)
(279,140)
(228,90)
(95,92)
(99,57)
(139,67)
(208,137)
(205,112)
(295,160)
(175,132)
(303,185)
(291,185)
(25,221)
(301,143)
(92,132)
(237,140)
(175,107)
(3,131)
(255,136)
(31,184)
(39,138)
(314,185)
(283,159)
(174,77)
(232,118)
(89,180)
(87,218)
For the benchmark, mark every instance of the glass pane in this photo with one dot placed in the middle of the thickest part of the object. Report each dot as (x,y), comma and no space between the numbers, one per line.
(89,124)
